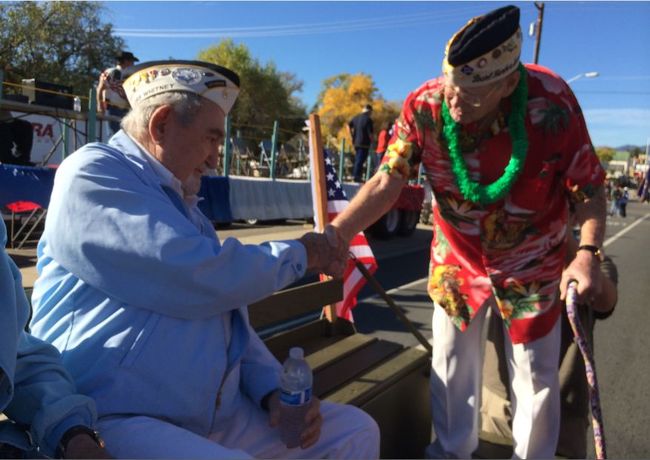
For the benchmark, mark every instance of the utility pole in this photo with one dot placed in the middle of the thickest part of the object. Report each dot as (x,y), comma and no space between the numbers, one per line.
(538,29)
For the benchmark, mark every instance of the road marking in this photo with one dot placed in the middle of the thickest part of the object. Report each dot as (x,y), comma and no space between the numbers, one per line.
(613,238)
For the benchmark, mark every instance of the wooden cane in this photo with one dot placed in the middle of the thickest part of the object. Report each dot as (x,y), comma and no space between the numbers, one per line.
(579,336)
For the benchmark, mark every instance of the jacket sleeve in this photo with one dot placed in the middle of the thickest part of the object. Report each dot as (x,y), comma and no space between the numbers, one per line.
(45,397)
(39,392)
(125,237)
(260,371)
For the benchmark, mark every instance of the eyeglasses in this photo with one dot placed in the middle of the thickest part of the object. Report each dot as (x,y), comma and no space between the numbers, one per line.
(473,99)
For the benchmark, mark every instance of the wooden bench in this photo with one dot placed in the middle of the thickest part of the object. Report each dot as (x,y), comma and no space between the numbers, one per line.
(385,379)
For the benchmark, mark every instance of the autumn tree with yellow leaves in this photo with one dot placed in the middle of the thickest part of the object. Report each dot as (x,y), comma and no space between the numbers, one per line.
(342,97)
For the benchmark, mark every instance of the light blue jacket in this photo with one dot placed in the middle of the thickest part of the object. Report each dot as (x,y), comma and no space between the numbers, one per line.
(149,311)
(35,389)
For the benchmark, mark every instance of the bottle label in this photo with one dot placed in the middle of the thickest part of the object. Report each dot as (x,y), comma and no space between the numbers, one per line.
(295,398)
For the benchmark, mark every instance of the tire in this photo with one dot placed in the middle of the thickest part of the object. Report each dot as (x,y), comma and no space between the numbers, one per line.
(387,226)
(252,221)
(408,222)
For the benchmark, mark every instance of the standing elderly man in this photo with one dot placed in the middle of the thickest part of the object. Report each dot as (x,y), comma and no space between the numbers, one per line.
(504,147)
(148,307)
(45,413)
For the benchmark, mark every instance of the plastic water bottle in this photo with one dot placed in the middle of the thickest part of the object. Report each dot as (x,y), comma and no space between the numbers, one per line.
(77,104)
(295,397)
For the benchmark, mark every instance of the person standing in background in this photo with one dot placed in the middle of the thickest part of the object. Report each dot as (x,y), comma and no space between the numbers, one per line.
(622,203)
(382,141)
(110,94)
(615,198)
(361,130)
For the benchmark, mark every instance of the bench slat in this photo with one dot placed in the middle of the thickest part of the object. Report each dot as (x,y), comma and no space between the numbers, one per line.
(364,387)
(405,403)
(338,350)
(294,302)
(309,336)
(331,377)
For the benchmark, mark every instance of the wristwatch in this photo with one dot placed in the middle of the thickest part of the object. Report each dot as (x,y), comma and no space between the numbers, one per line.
(595,250)
(74,431)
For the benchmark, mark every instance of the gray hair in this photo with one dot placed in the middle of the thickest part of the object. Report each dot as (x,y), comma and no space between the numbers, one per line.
(186,105)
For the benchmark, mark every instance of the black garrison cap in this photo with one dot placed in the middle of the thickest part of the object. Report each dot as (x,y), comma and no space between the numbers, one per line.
(483,34)
(487,49)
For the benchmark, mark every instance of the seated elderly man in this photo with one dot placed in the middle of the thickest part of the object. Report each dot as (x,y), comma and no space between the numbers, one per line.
(148,307)
(45,413)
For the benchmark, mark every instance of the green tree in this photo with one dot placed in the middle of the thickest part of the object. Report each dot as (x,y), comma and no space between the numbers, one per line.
(605,154)
(636,152)
(58,42)
(266,94)
(342,97)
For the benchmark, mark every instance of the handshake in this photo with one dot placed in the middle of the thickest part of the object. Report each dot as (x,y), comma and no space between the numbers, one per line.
(327,252)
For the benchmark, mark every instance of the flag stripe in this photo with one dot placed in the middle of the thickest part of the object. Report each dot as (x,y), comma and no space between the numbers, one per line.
(353,279)
(363,252)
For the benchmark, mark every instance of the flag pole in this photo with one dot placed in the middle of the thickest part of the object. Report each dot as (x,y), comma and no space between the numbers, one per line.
(319,188)
(391,303)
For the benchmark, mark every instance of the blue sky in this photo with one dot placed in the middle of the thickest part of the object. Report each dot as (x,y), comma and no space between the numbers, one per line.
(401,44)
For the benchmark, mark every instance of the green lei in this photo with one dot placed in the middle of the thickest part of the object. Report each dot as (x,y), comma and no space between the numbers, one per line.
(487,194)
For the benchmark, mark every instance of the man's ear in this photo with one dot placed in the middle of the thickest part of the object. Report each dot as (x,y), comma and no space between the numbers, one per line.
(512,81)
(158,123)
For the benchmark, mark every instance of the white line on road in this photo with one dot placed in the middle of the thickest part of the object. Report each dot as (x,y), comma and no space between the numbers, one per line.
(613,238)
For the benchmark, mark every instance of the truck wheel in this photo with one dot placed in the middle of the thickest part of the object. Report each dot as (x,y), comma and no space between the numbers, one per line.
(408,222)
(387,226)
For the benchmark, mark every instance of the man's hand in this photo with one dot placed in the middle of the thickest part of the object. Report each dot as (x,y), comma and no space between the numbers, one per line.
(313,419)
(84,446)
(585,269)
(326,252)
(102,106)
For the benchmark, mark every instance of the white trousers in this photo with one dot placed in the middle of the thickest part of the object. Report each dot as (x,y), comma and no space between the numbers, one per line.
(457,363)
(347,432)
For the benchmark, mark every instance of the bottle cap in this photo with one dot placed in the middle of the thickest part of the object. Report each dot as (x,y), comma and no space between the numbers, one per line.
(296,353)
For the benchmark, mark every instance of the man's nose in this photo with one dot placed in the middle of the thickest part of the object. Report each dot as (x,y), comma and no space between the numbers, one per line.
(212,159)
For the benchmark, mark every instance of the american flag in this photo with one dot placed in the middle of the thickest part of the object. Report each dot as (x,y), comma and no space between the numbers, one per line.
(353,280)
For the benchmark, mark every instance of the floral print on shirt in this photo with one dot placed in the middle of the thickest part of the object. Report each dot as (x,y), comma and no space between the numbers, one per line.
(512,250)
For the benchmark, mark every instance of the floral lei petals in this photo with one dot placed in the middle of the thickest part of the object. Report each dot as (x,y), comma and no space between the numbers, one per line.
(487,194)
(398,154)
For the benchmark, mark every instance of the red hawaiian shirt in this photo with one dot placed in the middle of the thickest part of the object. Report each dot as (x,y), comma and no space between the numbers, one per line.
(512,249)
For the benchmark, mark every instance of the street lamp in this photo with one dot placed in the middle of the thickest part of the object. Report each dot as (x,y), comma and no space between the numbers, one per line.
(585,74)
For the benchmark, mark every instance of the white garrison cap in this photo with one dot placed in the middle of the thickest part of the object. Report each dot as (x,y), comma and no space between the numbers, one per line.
(213,82)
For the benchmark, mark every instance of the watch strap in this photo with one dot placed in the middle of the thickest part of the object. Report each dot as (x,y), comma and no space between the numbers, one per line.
(595,250)
(74,431)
